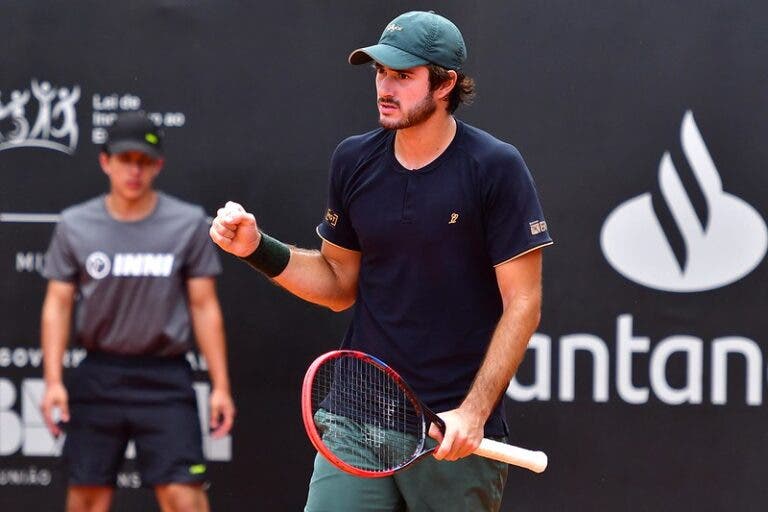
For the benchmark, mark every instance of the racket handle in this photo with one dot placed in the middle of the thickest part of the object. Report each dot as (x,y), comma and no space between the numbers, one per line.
(536,461)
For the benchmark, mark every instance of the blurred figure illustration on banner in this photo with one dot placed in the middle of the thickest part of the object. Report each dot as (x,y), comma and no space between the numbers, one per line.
(135,269)
(433,233)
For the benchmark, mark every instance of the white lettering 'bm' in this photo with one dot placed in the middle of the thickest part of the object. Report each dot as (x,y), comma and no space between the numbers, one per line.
(137,265)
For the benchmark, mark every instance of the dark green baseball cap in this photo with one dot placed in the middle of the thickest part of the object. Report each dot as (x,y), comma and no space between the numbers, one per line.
(416,38)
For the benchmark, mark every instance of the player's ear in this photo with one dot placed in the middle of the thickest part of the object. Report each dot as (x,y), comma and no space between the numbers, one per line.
(445,88)
(104,160)
(157,167)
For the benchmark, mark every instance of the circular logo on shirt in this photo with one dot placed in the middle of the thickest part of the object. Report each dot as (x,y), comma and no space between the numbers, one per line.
(98,265)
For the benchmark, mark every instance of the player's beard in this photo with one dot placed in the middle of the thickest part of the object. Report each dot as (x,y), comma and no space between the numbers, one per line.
(419,113)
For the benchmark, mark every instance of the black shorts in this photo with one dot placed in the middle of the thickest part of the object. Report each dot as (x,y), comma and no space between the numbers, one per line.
(148,400)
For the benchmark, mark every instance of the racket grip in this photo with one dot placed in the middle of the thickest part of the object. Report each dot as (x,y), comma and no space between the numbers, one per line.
(536,461)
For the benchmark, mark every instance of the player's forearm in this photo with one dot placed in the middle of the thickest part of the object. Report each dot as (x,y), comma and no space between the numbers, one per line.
(505,353)
(54,334)
(312,277)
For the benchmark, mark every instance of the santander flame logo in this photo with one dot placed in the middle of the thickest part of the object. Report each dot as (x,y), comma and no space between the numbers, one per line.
(706,245)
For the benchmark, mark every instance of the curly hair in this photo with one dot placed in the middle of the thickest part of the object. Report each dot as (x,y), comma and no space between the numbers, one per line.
(462,92)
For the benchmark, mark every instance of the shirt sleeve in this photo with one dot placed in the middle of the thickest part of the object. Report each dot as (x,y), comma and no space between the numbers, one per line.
(336,226)
(514,218)
(60,260)
(203,257)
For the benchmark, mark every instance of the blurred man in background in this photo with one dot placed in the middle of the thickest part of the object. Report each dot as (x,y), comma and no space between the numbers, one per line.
(138,270)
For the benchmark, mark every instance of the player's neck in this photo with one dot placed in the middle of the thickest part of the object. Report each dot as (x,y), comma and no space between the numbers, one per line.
(419,145)
(130,209)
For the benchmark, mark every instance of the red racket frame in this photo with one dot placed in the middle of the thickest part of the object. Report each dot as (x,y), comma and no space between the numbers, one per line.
(307,412)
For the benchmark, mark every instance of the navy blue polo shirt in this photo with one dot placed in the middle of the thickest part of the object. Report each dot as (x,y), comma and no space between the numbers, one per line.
(428,300)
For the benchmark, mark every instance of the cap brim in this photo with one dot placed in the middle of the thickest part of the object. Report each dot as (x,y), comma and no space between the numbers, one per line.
(123,146)
(386,55)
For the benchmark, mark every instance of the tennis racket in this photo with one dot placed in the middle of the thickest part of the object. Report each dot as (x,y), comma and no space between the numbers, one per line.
(364,419)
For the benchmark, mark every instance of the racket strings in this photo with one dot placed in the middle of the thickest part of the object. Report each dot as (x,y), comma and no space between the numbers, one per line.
(365,417)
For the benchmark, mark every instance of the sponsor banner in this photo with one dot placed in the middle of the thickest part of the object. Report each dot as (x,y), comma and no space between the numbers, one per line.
(55,124)
(614,371)
(23,430)
(706,245)
(648,372)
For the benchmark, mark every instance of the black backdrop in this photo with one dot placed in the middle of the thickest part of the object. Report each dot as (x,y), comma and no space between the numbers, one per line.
(593,93)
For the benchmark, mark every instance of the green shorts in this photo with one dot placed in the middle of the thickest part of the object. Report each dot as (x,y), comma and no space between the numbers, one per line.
(471,484)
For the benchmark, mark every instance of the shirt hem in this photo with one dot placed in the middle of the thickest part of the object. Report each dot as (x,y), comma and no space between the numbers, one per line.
(523,253)
(317,230)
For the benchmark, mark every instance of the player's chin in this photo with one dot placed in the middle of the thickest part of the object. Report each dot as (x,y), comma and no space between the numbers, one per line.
(134,193)
(389,123)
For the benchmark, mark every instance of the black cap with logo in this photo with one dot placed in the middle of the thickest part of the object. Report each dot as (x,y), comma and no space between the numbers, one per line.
(134,131)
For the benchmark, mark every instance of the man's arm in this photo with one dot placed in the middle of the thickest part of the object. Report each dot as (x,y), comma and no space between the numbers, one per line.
(327,277)
(208,324)
(519,282)
(54,334)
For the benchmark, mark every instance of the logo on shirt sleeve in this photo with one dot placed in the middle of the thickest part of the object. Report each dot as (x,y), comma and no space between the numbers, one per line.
(538,227)
(331,217)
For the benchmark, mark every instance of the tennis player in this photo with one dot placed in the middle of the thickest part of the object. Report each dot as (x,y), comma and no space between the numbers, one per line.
(433,232)
(140,268)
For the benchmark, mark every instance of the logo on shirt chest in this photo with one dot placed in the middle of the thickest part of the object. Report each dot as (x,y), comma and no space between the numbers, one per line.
(98,265)
(454,218)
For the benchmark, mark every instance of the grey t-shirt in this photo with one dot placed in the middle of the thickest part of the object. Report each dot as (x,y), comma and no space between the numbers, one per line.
(131,276)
